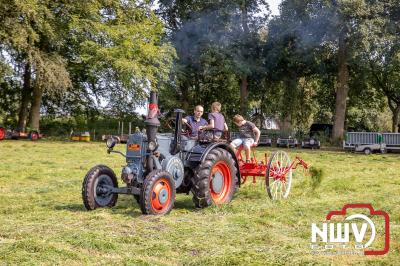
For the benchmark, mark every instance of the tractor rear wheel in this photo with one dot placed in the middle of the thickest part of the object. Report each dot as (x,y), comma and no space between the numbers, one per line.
(96,186)
(158,193)
(215,179)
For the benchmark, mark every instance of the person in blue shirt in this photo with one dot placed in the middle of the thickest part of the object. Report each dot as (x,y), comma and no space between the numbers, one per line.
(196,122)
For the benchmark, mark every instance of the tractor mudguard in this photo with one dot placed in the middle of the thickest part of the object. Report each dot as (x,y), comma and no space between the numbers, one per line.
(199,152)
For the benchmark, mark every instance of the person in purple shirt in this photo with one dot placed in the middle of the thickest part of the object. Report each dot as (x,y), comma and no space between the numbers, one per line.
(217,120)
(195,121)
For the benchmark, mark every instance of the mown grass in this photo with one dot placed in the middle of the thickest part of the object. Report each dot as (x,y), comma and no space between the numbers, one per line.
(43,221)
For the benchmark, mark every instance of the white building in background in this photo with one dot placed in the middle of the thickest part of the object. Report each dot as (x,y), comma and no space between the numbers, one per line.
(270,123)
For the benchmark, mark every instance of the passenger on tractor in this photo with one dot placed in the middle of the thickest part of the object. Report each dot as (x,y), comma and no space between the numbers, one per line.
(249,135)
(195,121)
(217,121)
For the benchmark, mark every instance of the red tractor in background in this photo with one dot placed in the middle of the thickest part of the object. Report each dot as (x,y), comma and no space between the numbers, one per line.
(15,134)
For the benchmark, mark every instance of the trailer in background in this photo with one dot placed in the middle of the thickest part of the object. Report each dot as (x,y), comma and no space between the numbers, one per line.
(367,142)
(392,141)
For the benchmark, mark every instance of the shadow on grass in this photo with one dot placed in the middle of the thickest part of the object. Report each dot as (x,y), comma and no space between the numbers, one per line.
(129,208)
(133,211)
(185,203)
(72,207)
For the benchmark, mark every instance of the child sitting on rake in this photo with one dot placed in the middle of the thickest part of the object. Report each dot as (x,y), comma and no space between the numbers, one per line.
(249,135)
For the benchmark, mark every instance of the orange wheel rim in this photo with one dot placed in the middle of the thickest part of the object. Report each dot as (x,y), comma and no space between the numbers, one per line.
(161,195)
(220,182)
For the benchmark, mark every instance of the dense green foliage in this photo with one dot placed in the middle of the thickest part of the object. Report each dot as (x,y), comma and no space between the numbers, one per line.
(319,61)
(69,57)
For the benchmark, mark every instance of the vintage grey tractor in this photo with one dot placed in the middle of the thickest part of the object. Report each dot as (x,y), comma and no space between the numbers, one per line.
(160,165)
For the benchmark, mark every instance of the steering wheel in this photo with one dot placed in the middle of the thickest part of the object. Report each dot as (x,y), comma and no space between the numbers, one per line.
(186,128)
(170,123)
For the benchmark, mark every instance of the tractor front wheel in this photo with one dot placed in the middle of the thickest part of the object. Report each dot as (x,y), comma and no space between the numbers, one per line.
(215,179)
(158,193)
(96,188)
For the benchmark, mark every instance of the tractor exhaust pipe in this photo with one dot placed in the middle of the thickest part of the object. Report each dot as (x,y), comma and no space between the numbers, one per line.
(175,145)
(152,123)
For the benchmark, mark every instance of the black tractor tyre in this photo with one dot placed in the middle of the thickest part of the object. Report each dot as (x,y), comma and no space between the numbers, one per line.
(158,193)
(218,165)
(94,179)
(137,199)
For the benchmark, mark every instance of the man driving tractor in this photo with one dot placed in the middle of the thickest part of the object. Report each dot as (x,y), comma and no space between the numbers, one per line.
(196,122)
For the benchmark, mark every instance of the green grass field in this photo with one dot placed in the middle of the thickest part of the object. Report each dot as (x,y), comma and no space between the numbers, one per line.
(43,221)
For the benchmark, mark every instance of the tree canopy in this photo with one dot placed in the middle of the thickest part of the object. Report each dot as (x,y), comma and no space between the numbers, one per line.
(319,61)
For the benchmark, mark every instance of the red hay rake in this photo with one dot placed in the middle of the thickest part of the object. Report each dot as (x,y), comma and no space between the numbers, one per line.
(277,172)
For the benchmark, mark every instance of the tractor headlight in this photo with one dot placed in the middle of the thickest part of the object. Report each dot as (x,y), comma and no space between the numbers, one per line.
(111,143)
(127,174)
(152,145)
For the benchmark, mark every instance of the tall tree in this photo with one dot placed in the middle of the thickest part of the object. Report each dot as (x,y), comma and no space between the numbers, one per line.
(290,63)
(383,58)
(101,48)
(31,37)
(214,38)
(339,26)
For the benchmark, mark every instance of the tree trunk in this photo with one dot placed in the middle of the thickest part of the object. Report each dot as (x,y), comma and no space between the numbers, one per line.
(243,95)
(395,119)
(34,115)
(342,90)
(244,92)
(286,125)
(245,19)
(25,99)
